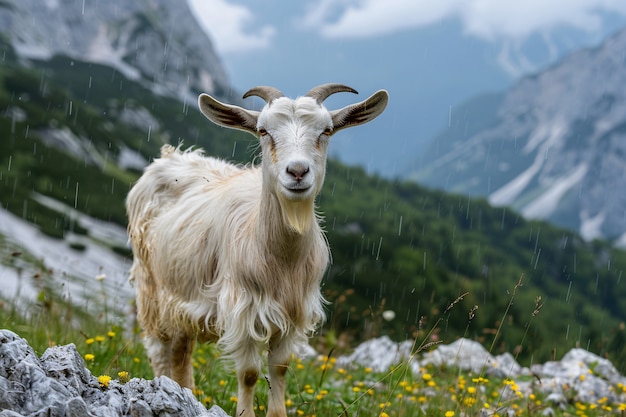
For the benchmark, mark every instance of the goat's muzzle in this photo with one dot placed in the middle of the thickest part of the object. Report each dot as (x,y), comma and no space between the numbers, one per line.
(297,170)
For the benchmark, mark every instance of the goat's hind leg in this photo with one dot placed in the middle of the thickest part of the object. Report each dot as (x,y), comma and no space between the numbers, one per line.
(159,353)
(171,357)
(182,370)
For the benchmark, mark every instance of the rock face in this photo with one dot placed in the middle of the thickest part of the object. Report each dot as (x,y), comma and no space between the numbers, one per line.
(553,146)
(157,41)
(59,384)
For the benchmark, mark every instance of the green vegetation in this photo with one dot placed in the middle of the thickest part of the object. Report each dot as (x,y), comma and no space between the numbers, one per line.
(315,387)
(412,250)
(396,246)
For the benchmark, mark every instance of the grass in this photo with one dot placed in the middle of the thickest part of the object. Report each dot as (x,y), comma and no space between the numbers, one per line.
(315,387)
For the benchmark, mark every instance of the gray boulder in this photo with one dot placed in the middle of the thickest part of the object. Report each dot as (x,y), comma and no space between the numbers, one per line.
(59,384)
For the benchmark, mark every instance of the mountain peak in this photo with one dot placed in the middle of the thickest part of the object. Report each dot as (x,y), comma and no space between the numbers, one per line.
(141,39)
(553,146)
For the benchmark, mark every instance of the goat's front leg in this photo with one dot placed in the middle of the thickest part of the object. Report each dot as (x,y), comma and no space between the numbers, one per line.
(278,362)
(248,367)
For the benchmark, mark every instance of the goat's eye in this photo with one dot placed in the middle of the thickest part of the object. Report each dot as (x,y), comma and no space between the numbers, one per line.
(262,132)
(328,131)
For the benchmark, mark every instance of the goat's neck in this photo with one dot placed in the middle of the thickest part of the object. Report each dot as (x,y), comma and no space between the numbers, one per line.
(275,228)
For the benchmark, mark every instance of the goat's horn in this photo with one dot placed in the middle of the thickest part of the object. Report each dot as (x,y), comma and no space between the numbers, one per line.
(267,93)
(321,92)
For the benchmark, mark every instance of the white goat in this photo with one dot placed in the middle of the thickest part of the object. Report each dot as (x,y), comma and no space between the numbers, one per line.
(235,254)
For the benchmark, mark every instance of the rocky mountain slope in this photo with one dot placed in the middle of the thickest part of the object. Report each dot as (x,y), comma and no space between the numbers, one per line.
(156,41)
(552,147)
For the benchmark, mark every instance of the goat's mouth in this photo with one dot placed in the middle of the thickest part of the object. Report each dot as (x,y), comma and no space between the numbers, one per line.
(297,190)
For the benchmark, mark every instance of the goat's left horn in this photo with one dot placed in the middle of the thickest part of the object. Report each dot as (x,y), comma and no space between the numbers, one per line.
(267,93)
(321,92)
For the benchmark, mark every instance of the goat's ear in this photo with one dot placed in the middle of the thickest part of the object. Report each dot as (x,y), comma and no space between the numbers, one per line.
(228,115)
(359,113)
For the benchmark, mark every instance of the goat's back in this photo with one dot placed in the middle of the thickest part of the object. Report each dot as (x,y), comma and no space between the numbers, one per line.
(175,211)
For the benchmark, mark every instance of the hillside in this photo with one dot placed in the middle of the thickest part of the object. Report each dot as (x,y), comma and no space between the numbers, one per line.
(76,133)
(552,146)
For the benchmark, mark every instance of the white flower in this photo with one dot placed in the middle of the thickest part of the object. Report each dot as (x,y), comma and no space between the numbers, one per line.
(389,315)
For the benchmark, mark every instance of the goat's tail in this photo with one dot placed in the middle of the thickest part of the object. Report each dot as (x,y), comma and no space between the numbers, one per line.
(167,151)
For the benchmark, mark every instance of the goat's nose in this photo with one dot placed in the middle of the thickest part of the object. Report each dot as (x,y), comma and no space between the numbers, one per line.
(298,170)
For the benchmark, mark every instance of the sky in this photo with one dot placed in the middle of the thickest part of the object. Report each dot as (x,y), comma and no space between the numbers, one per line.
(235,28)
(430,55)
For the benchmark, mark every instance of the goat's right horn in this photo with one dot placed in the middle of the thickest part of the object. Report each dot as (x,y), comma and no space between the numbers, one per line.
(321,92)
(267,93)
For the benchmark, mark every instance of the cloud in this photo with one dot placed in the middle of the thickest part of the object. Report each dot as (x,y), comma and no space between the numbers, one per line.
(227,25)
(486,19)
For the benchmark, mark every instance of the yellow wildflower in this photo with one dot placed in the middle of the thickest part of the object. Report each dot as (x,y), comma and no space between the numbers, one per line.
(124,376)
(469,401)
(104,380)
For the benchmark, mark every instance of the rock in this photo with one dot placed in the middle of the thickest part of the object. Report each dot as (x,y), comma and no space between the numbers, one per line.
(505,366)
(579,376)
(598,365)
(379,354)
(464,353)
(589,376)
(59,384)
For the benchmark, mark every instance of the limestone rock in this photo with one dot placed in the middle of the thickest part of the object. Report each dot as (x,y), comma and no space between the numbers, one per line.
(59,384)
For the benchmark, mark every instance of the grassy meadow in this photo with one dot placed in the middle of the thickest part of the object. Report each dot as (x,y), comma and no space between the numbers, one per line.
(112,349)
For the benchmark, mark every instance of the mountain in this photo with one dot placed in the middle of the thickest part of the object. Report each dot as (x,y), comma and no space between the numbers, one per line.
(76,134)
(553,146)
(427,68)
(144,40)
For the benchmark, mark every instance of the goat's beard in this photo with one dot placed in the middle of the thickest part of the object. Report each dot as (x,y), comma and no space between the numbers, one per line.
(299,215)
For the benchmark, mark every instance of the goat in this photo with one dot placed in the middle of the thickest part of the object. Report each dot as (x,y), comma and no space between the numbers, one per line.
(235,255)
